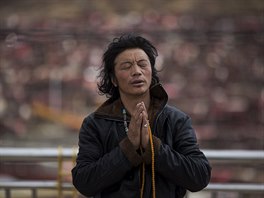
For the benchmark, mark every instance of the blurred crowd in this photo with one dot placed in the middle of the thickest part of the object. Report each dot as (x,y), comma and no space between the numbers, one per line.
(211,67)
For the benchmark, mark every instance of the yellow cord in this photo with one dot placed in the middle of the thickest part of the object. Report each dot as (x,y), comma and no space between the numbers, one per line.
(152,163)
(152,168)
(59,179)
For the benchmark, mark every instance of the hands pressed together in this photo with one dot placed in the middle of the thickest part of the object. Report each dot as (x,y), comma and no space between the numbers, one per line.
(138,128)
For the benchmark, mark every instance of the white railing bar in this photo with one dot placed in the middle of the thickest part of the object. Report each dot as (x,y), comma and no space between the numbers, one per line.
(68,186)
(34,184)
(235,155)
(36,154)
(51,154)
(235,187)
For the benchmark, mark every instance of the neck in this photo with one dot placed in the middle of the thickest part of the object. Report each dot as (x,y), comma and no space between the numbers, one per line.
(130,102)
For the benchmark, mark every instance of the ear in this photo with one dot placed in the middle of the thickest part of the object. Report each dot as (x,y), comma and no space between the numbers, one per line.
(114,81)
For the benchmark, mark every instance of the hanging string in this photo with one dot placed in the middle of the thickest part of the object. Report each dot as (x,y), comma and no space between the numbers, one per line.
(59,174)
(152,163)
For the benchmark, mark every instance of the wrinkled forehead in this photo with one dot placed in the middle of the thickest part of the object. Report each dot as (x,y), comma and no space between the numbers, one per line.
(135,54)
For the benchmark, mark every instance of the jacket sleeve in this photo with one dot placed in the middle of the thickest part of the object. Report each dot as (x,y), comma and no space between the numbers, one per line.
(94,170)
(181,160)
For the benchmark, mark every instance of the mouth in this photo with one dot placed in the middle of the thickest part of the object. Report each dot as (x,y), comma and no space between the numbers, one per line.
(137,82)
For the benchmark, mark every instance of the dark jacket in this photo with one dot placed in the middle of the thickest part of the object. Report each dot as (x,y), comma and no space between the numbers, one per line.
(108,166)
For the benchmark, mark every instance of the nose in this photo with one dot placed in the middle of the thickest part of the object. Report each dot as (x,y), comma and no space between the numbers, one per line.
(135,70)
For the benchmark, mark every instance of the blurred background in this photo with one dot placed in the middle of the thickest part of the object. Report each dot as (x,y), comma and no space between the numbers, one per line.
(211,63)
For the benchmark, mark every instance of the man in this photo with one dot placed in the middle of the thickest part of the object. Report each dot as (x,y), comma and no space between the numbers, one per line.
(135,144)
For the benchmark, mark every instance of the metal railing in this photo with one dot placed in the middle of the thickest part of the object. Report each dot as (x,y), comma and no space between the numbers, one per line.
(60,154)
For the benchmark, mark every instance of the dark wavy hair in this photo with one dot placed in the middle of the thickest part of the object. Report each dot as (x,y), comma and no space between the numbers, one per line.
(118,45)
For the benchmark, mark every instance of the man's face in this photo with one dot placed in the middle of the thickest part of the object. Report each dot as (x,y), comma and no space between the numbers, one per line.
(133,72)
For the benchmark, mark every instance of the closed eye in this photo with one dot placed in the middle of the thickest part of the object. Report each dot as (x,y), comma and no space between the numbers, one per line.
(143,63)
(126,65)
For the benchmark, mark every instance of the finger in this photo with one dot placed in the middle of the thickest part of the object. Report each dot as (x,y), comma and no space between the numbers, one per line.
(139,121)
(145,112)
(145,123)
(140,107)
(145,116)
(138,111)
(136,122)
(145,134)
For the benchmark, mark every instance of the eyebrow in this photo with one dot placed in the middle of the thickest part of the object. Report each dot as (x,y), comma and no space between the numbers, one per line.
(130,61)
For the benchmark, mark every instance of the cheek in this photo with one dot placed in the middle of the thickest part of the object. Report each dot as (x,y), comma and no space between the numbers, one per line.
(121,77)
(149,74)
